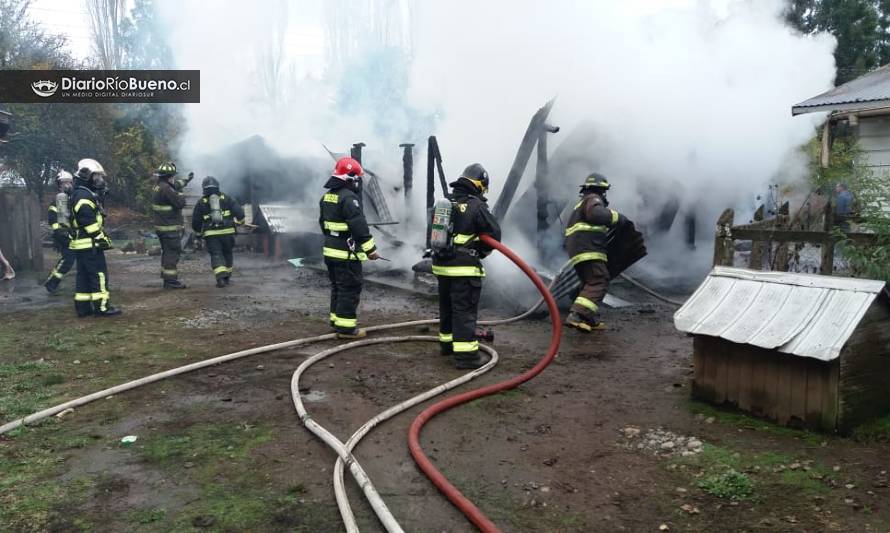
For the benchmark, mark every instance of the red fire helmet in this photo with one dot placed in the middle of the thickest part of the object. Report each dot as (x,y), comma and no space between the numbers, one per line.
(346,168)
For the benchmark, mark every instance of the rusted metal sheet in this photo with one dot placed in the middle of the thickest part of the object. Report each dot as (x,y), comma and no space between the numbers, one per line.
(800,314)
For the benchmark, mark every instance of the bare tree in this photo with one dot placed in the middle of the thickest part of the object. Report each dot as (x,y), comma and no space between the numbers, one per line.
(272,65)
(106,22)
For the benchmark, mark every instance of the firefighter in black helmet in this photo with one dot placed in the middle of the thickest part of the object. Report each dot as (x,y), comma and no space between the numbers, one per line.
(586,240)
(59,218)
(214,218)
(167,203)
(89,241)
(459,268)
(347,243)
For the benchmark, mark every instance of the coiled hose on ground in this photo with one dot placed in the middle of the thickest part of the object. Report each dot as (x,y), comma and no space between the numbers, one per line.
(344,450)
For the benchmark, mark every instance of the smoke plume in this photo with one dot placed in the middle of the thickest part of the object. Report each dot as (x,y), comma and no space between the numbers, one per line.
(691,98)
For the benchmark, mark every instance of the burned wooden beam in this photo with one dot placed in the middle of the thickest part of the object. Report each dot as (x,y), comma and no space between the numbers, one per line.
(532,135)
(407,168)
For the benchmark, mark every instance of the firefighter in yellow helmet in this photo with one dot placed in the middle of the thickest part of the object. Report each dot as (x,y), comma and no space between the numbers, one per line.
(167,203)
(586,241)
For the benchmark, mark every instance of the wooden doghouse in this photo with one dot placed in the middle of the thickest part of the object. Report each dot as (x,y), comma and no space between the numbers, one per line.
(802,350)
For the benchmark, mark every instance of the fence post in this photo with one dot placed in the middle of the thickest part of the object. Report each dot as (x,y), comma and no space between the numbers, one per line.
(826,268)
(724,249)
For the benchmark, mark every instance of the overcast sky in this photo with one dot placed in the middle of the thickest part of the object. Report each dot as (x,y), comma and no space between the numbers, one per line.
(305,41)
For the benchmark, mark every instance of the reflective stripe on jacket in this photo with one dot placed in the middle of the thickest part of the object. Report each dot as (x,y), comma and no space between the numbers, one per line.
(167,204)
(87,222)
(587,233)
(470,218)
(231,211)
(341,218)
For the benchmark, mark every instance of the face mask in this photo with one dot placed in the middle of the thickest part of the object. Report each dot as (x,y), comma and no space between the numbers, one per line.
(97,181)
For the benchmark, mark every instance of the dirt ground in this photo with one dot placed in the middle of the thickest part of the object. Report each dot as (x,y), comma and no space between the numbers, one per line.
(606,439)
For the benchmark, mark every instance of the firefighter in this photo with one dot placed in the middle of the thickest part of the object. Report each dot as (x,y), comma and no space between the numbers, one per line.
(459,269)
(167,203)
(586,241)
(347,242)
(89,242)
(214,218)
(59,219)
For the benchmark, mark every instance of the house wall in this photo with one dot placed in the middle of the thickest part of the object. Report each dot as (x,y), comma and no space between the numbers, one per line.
(874,141)
(865,368)
(20,216)
(788,389)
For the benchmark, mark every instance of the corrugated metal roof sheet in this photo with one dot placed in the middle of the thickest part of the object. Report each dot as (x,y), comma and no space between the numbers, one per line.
(869,91)
(800,314)
(283,218)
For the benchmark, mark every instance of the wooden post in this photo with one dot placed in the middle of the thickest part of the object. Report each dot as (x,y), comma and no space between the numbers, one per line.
(724,249)
(755,262)
(541,171)
(781,258)
(826,268)
(407,168)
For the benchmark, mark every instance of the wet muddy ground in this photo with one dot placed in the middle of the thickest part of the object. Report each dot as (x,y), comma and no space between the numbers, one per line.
(606,439)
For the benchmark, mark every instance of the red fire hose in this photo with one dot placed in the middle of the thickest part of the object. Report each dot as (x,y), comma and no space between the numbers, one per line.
(450,491)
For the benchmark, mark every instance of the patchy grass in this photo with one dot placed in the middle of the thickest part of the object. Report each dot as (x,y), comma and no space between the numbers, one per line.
(148,516)
(738,475)
(874,431)
(503,507)
(739,419)
(729,484)
(32,490)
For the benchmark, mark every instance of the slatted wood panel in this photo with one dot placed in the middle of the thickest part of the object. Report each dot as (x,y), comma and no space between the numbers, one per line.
(865,369)
(787,389)
(20,240)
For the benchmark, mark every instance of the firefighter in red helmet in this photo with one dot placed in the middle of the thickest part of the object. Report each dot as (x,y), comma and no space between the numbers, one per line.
(347,243)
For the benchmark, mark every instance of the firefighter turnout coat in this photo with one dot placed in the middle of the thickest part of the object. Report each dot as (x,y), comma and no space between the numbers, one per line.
(470,217)
(167,204)
(587,233)
(342,220)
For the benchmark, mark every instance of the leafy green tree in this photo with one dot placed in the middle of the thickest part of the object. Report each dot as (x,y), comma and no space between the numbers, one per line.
(860,27)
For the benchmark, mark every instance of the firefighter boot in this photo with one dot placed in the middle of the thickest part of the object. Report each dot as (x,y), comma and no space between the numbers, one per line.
(574,320)
(357,333)
(469,361)
(173,284)
(109,311)
(220,283)
(52,285)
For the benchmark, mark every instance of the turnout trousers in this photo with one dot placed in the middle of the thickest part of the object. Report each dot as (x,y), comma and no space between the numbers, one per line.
(594,276)
(63,266)
(221,256)
(171,249)
(458,311)
(91,296)
(346,289)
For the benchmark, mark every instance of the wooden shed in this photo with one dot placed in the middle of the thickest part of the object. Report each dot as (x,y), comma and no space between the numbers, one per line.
(20,216)
(799,349)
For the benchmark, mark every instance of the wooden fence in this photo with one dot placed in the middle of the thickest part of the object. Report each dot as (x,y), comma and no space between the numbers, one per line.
(20,237)
(779,235)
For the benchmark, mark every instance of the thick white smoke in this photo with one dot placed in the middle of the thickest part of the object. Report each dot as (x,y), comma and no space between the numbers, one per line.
(699,95)
(692,94)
